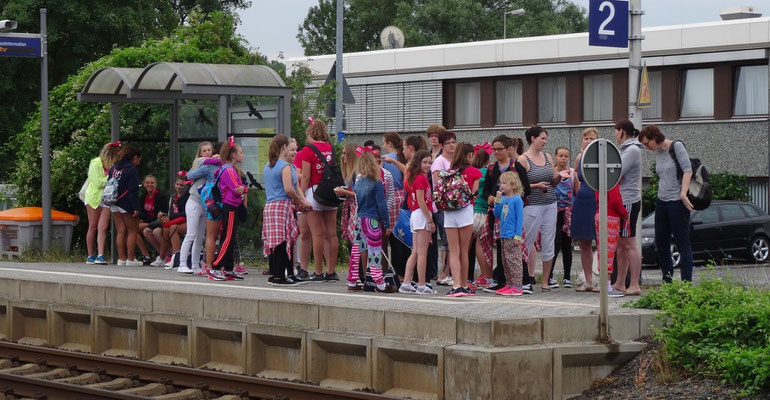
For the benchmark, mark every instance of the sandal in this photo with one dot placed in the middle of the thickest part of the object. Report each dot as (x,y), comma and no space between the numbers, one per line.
(448,281)
(595,290)
(633,293)
(544,289)
(583,289)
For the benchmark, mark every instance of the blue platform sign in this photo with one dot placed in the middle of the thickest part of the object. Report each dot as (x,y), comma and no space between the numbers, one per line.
(19,46)
(608,23)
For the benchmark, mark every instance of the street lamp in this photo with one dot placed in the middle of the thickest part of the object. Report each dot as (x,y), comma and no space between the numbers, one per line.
(518,11)
(8,25)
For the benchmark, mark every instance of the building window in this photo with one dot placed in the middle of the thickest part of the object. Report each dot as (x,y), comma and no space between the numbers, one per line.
(751,90)
(468,104)
(552,99)
(654,84)
(508,102)
(698,93)
(597,97)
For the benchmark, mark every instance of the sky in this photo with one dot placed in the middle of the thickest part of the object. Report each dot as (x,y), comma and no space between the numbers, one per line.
(271,26)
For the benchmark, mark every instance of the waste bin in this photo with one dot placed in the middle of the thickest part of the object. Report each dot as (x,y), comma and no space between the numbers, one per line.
(21,228)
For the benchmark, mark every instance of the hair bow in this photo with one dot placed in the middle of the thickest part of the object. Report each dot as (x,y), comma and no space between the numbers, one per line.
(182,174)
(368,149)
(485,146)
(311,120)
(115,144)
(231,141)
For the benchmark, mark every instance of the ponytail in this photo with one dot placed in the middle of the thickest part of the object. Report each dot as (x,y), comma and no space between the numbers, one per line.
(275,149)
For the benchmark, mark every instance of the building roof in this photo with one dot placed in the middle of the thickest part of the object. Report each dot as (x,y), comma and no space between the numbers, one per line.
(734,35)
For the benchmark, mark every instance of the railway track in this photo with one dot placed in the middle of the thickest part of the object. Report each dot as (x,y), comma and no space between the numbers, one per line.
(31,372)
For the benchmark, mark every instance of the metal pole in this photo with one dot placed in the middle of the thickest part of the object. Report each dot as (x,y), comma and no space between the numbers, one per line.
(603,238)
(173,148)
(634,74)
(114,137)
(338,98)
(505,25)
(46,142)
(222,119)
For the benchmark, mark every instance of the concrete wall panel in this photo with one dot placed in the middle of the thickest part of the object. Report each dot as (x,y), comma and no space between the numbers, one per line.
(351,321)
(128,299)
(277,353)
(288,314)
(72,328)
(83,295)
(343,362)
(230,309)
(406,369)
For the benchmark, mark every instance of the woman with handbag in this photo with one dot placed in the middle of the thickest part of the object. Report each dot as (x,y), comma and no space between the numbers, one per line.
(98,214)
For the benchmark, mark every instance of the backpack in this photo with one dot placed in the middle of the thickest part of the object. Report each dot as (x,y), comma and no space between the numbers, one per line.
(330,179)
(451,191)
(211,196)
(699,193)
(110,192)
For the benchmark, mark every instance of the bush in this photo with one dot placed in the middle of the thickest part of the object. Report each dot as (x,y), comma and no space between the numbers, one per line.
(716,327)
(724,186)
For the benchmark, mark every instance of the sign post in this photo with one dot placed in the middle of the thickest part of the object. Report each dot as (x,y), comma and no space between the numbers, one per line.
(35,45)
(601,166)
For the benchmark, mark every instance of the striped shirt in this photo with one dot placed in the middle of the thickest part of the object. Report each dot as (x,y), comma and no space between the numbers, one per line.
(537,174)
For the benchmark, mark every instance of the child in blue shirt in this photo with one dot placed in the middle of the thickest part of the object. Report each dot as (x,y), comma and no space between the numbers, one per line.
(509,209)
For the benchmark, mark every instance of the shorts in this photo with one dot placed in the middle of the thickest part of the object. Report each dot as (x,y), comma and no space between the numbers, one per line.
(315,204)
(418,221)
(459,218)
(155,224)
(628,225)
(479,222)
(117,209)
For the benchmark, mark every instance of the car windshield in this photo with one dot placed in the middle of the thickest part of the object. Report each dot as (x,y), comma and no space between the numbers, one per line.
(649,221)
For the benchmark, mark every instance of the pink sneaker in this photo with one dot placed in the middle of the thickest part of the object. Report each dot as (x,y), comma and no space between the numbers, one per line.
(204,271)
(504,291)
(515,292)
(240,270)
(481,281)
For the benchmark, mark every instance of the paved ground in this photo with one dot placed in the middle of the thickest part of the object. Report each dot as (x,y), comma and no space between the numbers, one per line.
(484,306)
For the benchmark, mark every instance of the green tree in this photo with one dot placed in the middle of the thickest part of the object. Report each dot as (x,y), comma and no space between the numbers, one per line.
(428,22)
(80,32)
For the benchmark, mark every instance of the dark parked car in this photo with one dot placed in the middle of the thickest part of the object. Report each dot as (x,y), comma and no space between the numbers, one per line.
(725,230)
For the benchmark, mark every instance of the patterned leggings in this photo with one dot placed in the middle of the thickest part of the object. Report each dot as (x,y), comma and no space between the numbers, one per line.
(512,262)
(368,237)
(613,229)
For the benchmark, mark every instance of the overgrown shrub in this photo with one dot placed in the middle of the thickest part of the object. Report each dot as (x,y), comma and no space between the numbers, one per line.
(716,327)
(724,185)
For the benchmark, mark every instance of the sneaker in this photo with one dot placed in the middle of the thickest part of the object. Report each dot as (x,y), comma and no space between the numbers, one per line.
(493,288)
(317,278)
(204,271)
(281,281)
(614,293)
(455,292)
(232,276)
(91,260)
(481,281)
(527,289)
(100,260)
(469,291)
(553,284)
(121,263)
(387,289)
(355,287)
(146,260)
(241,270)
(158,262)
(515,291)
(425,290)
(407,288)
(331,277)
(170,261)
(567,283)
(133,263)
(505,291)
(301,274)
(183,269)
(217,276)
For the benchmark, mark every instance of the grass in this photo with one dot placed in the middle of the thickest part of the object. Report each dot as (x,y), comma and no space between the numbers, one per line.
(716,327)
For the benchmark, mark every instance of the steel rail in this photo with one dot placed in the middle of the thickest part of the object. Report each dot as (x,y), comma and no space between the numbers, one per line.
(184,376)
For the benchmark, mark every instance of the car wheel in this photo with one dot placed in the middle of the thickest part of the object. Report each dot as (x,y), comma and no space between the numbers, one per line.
(675,256)
(759,249)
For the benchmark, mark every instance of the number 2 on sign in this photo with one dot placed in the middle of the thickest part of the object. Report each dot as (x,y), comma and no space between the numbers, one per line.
(602,30)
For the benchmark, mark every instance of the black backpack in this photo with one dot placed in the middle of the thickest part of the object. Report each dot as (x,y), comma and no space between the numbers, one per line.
(699,193)
(330,179)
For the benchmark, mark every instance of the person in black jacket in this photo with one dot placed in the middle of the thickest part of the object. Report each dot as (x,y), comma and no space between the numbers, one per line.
(175,223)
(126,209)
(154,205)
(501,147)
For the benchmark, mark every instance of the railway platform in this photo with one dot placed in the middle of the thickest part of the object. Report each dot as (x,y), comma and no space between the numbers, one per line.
(543,346)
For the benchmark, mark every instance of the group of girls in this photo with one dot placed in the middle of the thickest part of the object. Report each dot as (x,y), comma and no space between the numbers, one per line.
(175,227)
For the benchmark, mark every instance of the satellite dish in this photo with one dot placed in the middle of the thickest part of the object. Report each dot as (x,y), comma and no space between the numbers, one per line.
(392,38)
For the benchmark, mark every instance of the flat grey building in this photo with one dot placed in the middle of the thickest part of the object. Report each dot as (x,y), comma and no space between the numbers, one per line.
(708,81)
